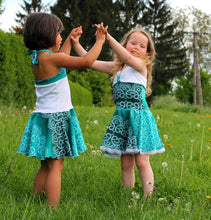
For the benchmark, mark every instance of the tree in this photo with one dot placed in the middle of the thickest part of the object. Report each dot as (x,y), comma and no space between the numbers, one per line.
(28,7)
(171,59)
(184,89)
(1,7)
(86,13)
(192,20)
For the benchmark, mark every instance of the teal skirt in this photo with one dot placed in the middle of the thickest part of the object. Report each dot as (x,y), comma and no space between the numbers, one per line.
(52,135)
(132,129)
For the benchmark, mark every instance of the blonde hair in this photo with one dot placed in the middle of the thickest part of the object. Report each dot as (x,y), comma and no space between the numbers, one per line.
(149,57)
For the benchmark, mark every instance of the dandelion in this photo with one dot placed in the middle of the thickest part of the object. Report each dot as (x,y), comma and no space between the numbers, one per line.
(95,122)
(191,151)
(135,195)
(202,136)
(198,125)
(107,112)
(183,159)
(164,164)
(208,197)
(34,108)
(24,108)
(162,199)
(165,136)
(208,148)
(134,199)
(168,145)
(94,152)
(158,117)
(209,128)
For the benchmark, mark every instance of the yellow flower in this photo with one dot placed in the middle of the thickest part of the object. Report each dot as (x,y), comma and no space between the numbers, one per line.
(34,108)
(107,112)
(208,197)
(209,128)
(168,144)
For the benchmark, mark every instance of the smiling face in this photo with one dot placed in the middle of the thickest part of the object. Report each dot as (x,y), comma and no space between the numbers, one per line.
(137,43)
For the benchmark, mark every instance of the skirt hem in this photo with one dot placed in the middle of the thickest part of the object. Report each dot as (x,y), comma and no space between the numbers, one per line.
(114,153)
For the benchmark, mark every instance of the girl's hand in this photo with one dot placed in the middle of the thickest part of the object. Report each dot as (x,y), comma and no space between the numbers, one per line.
(76,34)
(101,31)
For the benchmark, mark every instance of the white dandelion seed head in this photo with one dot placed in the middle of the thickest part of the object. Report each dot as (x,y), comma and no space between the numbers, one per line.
(137,197)
(198,125)
(192,141)
(164,164)
(158,117)
(133,193)
(24,107)
(165,136)
(208,148)
(162,199)
(95,122)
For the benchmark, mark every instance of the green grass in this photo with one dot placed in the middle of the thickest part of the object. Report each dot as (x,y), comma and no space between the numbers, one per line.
(91,183)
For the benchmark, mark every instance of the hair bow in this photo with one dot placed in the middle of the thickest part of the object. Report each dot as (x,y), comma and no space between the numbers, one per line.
(33,53)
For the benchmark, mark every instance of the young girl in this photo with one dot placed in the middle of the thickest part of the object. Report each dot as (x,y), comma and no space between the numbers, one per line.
(132,133)
(53,132)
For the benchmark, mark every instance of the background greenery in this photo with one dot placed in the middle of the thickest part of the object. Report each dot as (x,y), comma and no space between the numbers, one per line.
(91,183)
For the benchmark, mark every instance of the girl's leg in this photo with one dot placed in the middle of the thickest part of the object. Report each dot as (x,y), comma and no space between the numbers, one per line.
(53,181)
(146,173)
(127,166)
(40,178)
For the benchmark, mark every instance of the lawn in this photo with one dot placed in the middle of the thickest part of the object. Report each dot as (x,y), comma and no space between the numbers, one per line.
(91,183)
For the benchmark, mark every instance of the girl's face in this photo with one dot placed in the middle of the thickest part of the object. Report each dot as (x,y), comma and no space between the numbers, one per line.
(137,43)
(58,42)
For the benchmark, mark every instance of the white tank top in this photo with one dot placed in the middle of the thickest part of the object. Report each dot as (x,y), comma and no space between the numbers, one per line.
(130,75)
(53,95)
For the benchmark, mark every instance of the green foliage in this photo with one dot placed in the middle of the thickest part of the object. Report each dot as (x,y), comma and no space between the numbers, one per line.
(100,86)
(195,21)
(1,7)
(184,89)
(92,185)
(80,95)
(16,84)
(28,7)
(78,76)
(164,102)
(86,13)
(171,61)
(171,103)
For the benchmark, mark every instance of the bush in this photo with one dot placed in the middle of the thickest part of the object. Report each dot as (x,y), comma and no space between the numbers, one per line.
(171,103)
(16,85)
(166,102)
(80,96)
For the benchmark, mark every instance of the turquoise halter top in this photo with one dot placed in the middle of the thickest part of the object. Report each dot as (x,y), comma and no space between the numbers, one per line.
(34,54)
